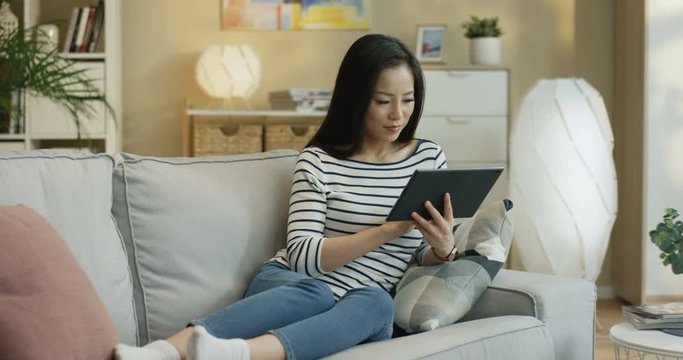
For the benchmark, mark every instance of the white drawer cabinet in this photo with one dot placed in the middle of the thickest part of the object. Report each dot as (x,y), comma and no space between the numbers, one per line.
(467,141)
(47,120)
(466,93)
(466,112)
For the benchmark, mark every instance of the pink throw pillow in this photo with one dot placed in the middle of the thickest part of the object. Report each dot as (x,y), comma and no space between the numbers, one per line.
(48,307)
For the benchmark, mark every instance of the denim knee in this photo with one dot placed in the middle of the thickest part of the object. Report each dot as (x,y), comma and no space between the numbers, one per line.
(381,304)
(317,296)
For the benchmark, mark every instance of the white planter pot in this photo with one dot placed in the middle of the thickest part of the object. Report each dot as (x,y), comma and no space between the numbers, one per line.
(485,51)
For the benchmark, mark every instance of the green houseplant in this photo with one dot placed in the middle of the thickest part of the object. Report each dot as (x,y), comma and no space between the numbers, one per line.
(477,27)
(668,236)
(484,35)
(27,65)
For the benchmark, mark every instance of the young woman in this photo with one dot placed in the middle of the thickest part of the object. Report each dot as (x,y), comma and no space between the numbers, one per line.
(329,289)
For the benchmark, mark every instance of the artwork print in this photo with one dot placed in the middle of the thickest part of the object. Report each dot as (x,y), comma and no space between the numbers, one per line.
(295,14)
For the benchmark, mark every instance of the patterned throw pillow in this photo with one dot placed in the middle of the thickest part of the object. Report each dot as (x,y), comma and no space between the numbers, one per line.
(429,297)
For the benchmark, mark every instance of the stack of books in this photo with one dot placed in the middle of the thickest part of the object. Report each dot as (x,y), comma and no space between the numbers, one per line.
(85,27)
(303,100)
(655,316)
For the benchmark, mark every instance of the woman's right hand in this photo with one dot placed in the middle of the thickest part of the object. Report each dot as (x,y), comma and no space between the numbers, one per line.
(398,228)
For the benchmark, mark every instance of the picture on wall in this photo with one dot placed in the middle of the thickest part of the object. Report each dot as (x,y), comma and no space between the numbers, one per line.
(430,43)
(295,14)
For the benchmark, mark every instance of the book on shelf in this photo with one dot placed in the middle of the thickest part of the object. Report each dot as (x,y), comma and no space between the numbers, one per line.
(70,30)
(90,21)
(300,94)
(85,27)
(308,105)
(84,13)
(97,27)
(299,99)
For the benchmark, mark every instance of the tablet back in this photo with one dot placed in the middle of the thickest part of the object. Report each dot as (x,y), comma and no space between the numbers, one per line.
(468,187)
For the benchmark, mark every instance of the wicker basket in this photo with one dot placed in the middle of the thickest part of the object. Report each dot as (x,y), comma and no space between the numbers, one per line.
(289,136)
(219,138)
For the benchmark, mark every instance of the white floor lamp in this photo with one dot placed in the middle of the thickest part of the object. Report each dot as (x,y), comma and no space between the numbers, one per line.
(563,180)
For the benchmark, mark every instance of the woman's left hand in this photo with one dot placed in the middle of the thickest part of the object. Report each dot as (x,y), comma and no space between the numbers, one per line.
(438,232)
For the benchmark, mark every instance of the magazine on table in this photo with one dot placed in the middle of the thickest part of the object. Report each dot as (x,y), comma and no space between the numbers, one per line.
(644,320)
(671,310)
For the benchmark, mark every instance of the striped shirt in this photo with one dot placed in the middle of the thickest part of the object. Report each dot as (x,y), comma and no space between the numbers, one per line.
(332,197)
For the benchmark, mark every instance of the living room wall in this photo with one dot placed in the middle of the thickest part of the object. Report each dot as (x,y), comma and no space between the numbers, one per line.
(162,40)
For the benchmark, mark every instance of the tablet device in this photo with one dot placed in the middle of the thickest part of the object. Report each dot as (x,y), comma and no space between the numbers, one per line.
(468,188)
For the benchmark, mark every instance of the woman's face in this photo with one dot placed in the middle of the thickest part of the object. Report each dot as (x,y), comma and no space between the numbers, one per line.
(391,105)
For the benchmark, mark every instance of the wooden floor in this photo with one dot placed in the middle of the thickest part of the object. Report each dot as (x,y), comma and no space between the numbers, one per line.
(608,314)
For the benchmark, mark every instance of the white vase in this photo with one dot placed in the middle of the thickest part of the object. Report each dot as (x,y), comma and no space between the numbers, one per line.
(485,51)
(563,179)
(8,21)
(48,35)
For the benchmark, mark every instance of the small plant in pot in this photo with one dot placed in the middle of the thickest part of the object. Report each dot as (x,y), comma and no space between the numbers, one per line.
(668,236)
(484,35)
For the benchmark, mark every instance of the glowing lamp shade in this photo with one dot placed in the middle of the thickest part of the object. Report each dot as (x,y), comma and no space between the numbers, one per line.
(563,180)
(227,72)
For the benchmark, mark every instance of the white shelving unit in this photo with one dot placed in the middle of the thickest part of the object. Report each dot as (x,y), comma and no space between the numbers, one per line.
(48,125)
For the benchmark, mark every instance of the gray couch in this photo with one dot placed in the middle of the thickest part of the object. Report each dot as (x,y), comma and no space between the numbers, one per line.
(166,240)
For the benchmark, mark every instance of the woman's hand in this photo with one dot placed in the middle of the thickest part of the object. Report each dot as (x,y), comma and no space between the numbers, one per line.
(398,228)
(438,232)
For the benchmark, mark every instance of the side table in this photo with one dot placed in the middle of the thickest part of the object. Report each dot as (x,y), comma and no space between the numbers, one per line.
(631,343)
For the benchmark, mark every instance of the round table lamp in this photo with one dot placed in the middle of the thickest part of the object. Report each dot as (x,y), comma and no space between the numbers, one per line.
(229,72)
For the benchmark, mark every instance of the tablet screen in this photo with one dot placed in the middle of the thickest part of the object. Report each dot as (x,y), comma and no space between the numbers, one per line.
(468,187)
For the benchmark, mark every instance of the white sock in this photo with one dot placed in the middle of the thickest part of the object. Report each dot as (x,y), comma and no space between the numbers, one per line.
(157,350)
(203,346)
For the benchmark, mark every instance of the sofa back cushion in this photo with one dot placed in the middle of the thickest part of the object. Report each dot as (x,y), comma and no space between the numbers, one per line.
(73,192)
(48,308)
(196,229)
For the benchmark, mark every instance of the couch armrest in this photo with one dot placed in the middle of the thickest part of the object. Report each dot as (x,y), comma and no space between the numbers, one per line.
(566,304)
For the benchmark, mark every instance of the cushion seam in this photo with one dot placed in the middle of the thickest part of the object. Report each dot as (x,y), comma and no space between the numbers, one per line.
(208,161)
(134,247)
(61,156)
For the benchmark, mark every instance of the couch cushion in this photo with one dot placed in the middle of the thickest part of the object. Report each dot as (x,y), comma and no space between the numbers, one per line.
(48,308)
(73,192)
(196,229)
(501,337)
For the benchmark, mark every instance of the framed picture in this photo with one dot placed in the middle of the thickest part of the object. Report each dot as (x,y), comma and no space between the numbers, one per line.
(430,43)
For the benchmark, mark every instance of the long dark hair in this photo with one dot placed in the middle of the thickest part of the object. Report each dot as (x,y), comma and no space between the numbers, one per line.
(341,133)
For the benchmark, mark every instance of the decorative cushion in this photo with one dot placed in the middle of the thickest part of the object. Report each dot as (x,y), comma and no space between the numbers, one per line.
(196,230)
(48,307)
(429,297)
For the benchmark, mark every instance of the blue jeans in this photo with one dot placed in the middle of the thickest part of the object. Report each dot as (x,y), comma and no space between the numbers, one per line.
(301,312)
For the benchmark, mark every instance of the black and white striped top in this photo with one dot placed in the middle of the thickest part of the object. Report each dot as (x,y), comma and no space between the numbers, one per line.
(332,197)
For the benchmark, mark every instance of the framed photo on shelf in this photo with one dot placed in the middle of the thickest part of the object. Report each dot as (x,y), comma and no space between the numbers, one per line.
(430,43)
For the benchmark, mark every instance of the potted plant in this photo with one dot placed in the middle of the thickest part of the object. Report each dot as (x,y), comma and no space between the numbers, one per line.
(484,38)
(29,65)
(668,236)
